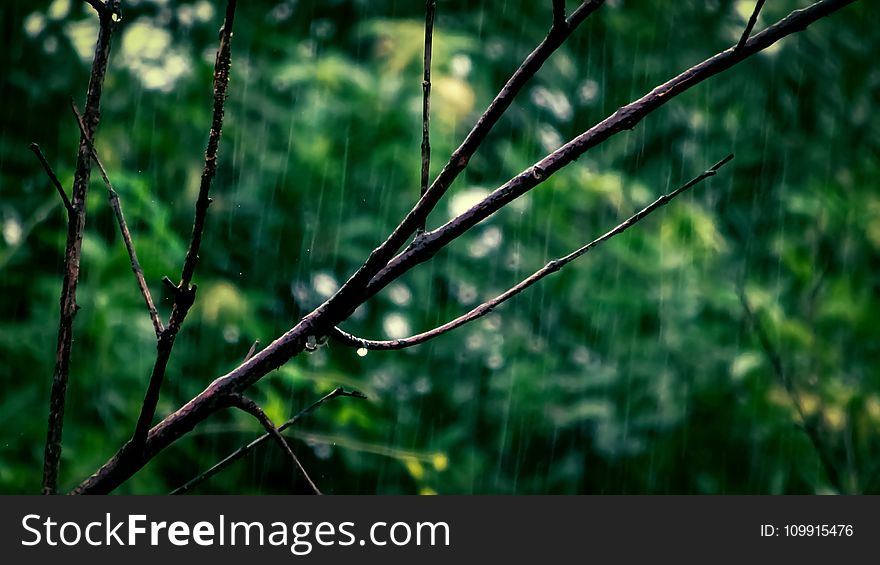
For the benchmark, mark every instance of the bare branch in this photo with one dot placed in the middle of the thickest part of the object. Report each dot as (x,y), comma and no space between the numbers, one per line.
(320,321)
(551,267)
(624,118)
(222,65)
(750,25)
(72,253)
(184,294)
(246,449)
(52,177)
(252,408)
(430,8)
(344,302)
(116,205)
(810,424)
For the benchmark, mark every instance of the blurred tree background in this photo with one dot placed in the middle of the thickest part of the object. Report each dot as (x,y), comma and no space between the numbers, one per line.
(634,370)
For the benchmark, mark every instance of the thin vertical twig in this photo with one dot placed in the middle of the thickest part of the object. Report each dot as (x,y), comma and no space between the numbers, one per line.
(750,25)
(107,15)
(430,9)
(52,177)
(184,292)
(116,205)
(247,405)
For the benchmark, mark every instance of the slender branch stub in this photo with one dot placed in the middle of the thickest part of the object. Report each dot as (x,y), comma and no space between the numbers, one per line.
(558,15)
(53,178)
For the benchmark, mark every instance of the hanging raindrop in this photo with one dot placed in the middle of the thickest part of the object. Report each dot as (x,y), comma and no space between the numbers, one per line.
(311,343)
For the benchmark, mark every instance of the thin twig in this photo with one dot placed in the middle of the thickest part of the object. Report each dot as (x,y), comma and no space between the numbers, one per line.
(221,82)
(246,449)
(750,25)
(430,8)
(119,468)
(551,267)
(116,205)
(184,295)
(52,177)
(73,252)
(625,118)
(251,351)
(252,408)
(810,426)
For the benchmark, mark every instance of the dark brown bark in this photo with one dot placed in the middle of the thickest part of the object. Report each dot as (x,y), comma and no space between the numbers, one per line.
(108,15)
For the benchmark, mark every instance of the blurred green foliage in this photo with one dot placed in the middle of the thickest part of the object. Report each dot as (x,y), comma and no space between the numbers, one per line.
(631,371)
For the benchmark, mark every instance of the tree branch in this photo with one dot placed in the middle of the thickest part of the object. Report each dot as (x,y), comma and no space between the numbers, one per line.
(52,177)
(750,25)
(184,294)
(245,450)
(247,405)
(321,320)
(810,425)
(123,229)
(550,268)
(343,302)
(72,253)
(624,118)
(430,8)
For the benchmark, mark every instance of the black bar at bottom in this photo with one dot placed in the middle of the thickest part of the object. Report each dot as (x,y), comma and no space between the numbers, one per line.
(435,529)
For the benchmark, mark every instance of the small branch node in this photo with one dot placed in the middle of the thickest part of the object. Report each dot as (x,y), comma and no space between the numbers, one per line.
(251,351)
